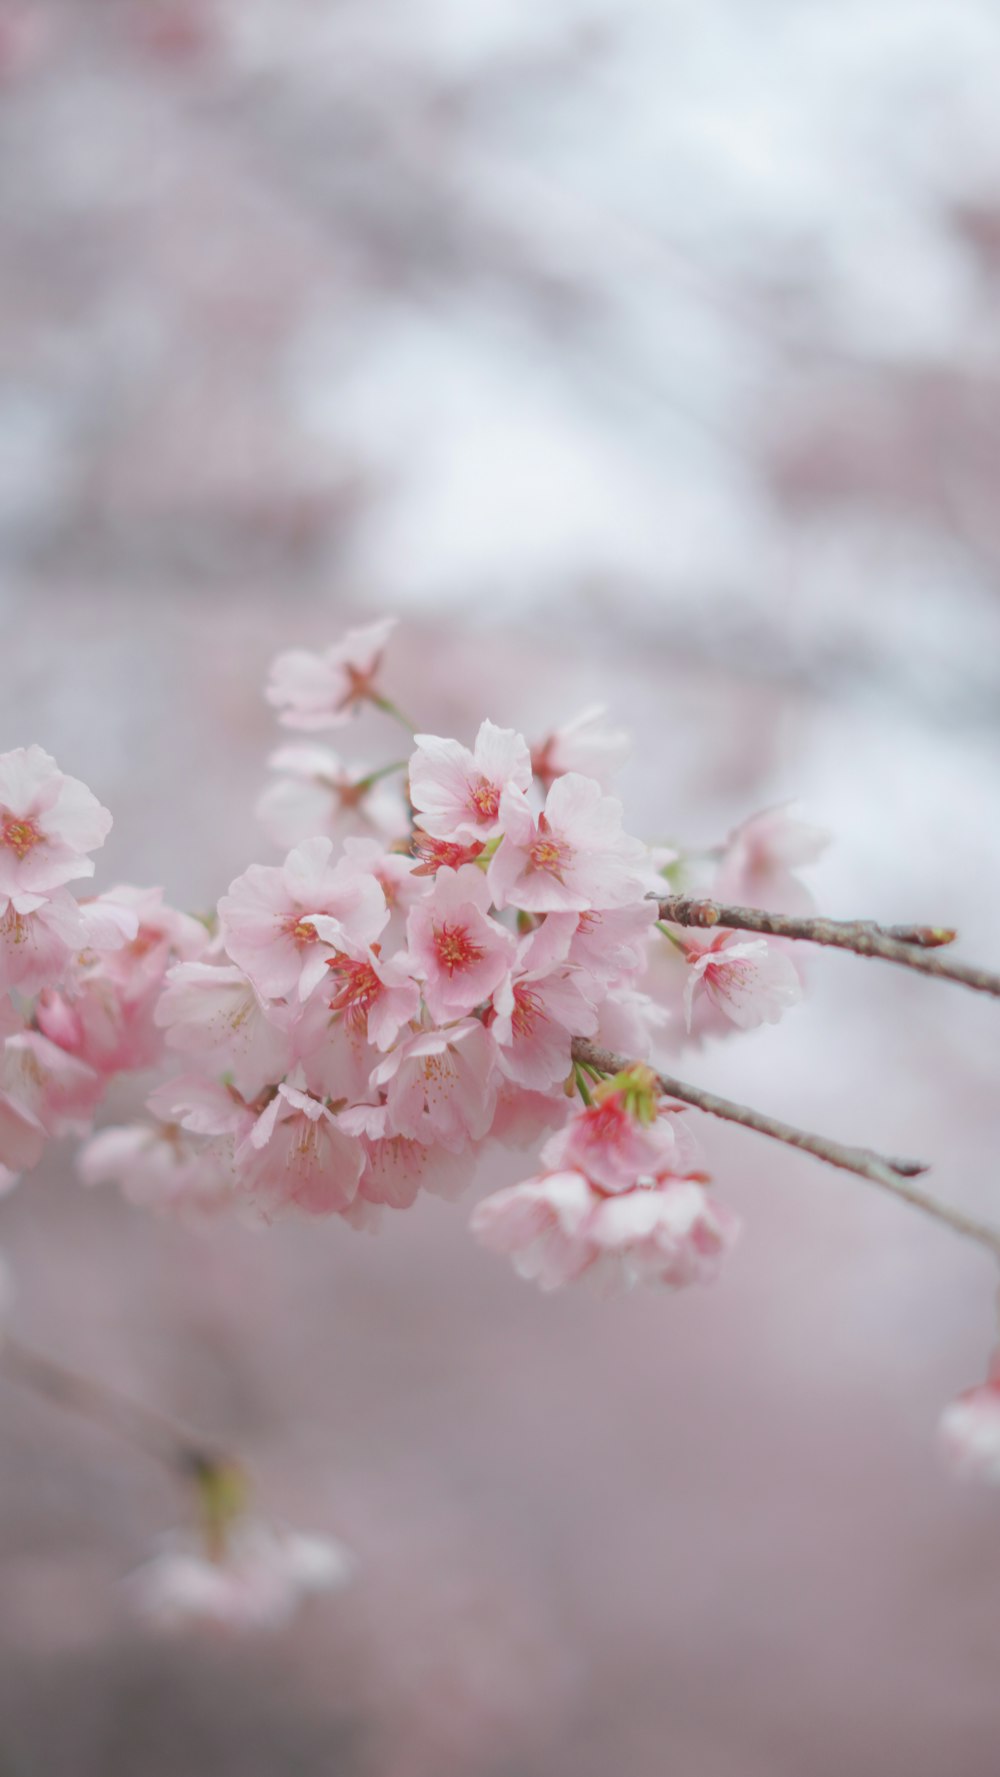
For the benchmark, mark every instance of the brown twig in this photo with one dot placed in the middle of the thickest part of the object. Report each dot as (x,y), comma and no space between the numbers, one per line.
(890,1174)
(914,947)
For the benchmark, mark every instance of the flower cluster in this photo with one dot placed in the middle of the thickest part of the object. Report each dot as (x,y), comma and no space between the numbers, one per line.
(355,1022)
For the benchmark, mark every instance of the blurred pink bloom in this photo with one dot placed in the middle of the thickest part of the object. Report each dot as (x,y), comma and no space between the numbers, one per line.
(558,1228)
(162,1167)
(750,980)
(457,951)
(457,794)
(263,919)
(759,860)
(38,934)
(317,794)
(969,1430)
(324,690)
(441,1086)
(574,857)
(212,1012)
(259,1582)
(48,823)
(583,744)
(297,1158)
(58,1091)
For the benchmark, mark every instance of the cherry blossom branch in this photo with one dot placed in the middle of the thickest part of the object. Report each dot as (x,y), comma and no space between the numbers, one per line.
(911,946)
(890,1174)
(142,1427)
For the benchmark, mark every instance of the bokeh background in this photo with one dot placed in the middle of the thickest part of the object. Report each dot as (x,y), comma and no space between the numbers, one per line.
(626,348)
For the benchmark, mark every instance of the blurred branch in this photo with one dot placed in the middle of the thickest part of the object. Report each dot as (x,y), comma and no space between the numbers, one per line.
(889,1174)
(143,1427)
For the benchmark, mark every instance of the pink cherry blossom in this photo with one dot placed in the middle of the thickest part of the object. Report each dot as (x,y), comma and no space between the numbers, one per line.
(324,690)
(377,995)
(759,860)
(316,793)
(213,1012)
(257,1583)
(297,1158)
(970,1430)
(614,1142)
(433,854)
(56,1090)
(558,1228)
(540,1225)
(538,1009)
(397,1169)
(164,1168)
(457,951)
(609,943)
(22,1138)
(441,1085)
(38,934)
(264,925)
(583,744)
(750,980)
(457,794)
(574,857)
(671,1234)
(48,824)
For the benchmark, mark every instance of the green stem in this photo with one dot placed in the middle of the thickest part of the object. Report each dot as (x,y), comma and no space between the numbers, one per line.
(391,709)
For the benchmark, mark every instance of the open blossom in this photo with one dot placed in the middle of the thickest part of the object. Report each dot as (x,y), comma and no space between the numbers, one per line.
(212,1011)
(608,943)
(315,793)
(376,995)
(458,952)
(441,1085)
(256,1583)
(539,1008)
(264,924)
(297,1158)
(318,691)
(575,856)
(397,1168)
(759,860)
(48,824)
(558,1228)
(970,1430)
(749,980)
(583,744)
(457,794)
(38,934)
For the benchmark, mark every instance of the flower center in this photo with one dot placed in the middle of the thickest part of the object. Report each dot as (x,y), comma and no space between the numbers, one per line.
(20,835)
(299,930)
(528,1009)
(550,855)
(356,987)
(455,949)
(485,799)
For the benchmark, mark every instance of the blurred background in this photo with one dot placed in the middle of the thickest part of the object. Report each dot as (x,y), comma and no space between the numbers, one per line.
(626,349)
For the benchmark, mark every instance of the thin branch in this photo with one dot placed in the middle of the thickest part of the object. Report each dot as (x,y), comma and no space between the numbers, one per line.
(142,1427)
(889,1174)
(915,947)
